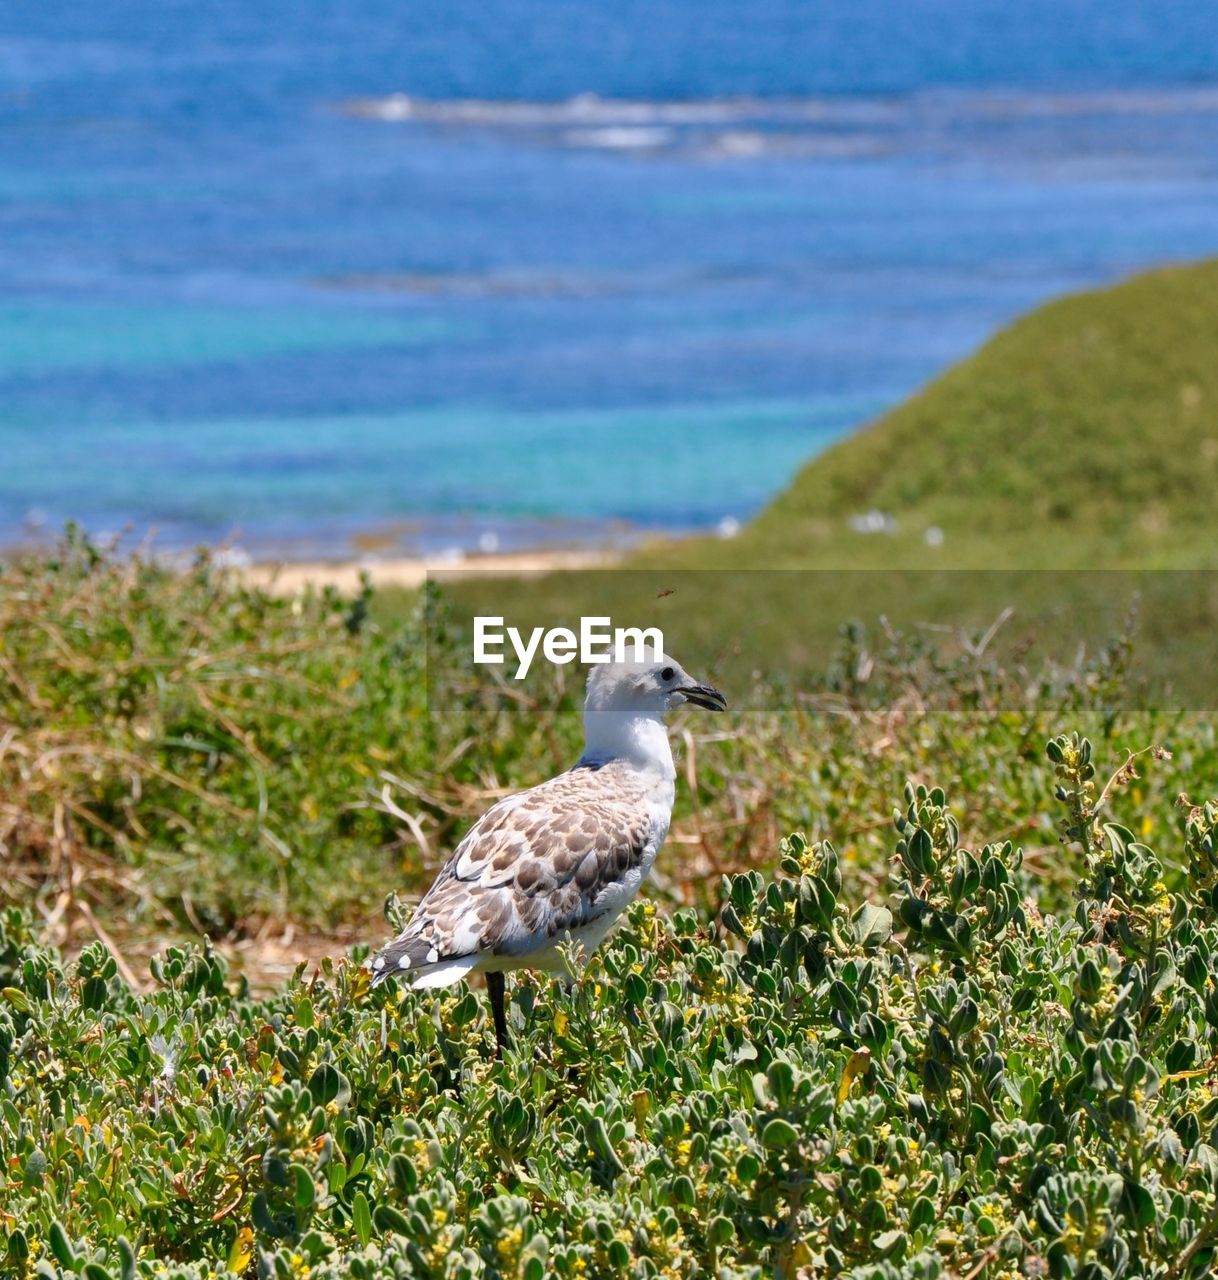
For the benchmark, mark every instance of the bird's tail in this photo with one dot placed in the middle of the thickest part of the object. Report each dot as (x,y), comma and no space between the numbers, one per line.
(415,961)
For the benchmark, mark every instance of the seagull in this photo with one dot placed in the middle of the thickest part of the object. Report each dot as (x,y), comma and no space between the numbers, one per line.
(560,862)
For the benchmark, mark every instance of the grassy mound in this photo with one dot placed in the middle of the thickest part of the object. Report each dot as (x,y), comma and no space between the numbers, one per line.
(1085,435)
(954,1084)
(1082,438)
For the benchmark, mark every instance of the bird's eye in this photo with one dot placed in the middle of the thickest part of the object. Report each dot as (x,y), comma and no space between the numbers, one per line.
(667,673)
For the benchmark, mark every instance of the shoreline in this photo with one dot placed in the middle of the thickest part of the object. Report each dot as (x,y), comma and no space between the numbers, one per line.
(290,577)
(340,560)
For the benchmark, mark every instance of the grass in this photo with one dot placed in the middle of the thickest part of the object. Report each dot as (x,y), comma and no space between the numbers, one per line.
(176,738)
(185,755)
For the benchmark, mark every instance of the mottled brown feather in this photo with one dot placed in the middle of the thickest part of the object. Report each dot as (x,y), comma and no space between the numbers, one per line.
(534,866)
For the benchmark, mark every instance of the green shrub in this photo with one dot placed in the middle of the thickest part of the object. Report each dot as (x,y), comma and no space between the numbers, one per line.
(953,1082)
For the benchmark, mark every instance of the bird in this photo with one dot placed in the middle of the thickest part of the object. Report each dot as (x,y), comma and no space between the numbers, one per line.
(560,862)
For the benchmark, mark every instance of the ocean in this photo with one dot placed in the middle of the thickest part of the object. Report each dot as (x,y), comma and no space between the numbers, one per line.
(322,278)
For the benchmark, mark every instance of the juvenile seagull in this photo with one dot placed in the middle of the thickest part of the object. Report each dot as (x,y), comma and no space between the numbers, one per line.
(561,861)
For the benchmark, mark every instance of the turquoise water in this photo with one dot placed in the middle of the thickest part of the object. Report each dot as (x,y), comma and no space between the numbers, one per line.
(514,270)
(40,337)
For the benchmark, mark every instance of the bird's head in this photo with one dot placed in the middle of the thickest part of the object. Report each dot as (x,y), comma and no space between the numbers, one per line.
(650,689)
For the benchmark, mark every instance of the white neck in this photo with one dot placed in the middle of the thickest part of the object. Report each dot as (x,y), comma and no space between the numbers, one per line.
(627,735)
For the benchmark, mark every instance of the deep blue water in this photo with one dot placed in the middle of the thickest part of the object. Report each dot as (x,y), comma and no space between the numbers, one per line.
(469,266)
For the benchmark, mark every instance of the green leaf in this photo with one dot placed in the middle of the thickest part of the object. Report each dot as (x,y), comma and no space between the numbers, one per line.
(327,1084)
(719,1231)
(305,1192)
(922,1214)
(748,1168)
(887,1241)
(260,1215)
(466,1010)
(61,1247)
(17,998)
(682,1191)
(403,1174)
(126,1255)
(871,926)
(732,922)
(361,1218)
(779,1134)
(921,852)
(387,1218)
(35,1168)
(600,1142)
(1137,1204)
(780,1081)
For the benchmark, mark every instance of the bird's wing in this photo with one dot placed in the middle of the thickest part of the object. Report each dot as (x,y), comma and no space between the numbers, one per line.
(534,865)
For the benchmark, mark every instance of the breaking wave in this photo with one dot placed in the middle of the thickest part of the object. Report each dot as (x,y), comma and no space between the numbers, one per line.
(747,127)
(594,112)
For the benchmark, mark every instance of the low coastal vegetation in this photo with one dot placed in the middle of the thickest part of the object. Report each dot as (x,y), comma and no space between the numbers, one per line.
(947,1082)
(183,753)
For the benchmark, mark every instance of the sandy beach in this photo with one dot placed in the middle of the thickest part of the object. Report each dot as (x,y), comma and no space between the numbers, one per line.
(290,577)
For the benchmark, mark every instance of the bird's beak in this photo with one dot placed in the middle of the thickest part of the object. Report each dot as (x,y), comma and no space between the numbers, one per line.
(704,695)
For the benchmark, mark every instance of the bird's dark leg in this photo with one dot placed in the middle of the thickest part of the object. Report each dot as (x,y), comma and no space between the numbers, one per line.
(495,988)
